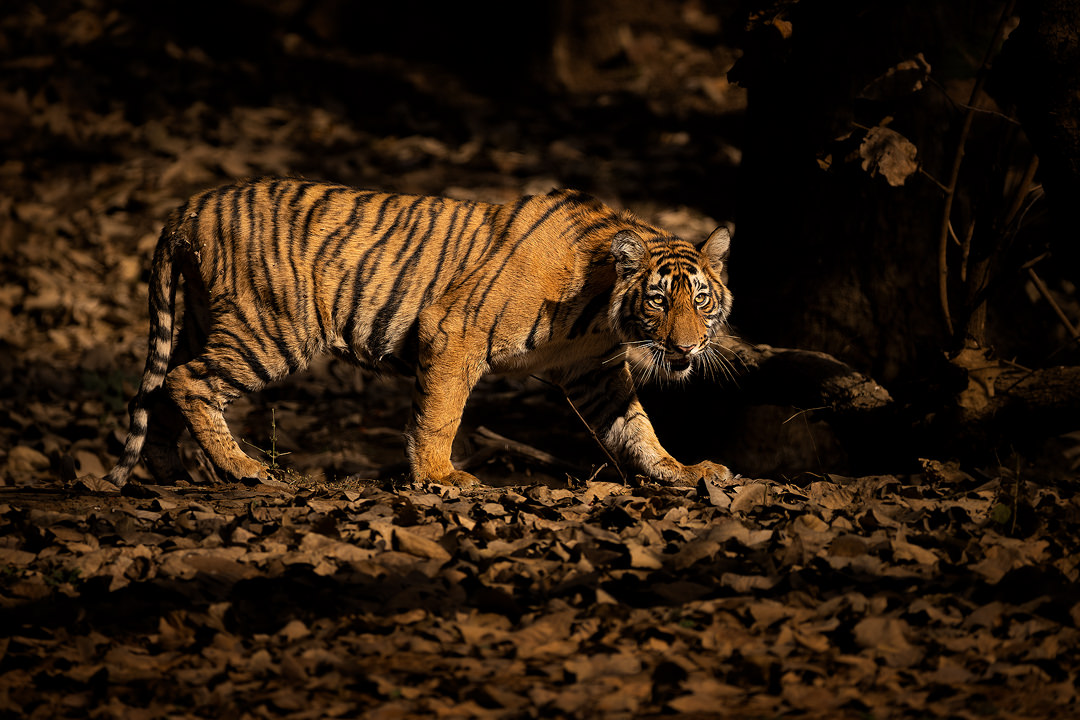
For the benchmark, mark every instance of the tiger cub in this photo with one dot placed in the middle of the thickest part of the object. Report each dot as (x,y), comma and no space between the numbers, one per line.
(277,271)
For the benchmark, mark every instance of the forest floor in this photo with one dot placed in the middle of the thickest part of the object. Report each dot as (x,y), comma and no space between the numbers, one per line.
(553,590)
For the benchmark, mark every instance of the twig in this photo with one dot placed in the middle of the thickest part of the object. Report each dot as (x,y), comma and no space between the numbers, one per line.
(804,411)
(1045,292)
(964,106)
(1035,260)
(931,178)
(595,473)
(588,427)
(272,453)
(802,415)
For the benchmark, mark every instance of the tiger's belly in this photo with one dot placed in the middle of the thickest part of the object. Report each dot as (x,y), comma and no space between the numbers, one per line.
(585,352)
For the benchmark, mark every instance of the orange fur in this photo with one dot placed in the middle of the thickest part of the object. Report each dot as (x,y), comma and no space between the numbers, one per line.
(277,271)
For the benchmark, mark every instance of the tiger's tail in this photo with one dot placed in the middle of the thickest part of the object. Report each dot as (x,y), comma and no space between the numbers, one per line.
(164,272)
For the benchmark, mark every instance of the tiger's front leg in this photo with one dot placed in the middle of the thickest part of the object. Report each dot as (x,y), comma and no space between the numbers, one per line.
(444,378)
(607,401)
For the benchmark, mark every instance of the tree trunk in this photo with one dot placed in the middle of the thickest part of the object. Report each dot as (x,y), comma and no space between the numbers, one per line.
(1039,71)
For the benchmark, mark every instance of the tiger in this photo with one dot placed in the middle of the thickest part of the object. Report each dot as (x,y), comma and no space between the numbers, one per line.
(277,271)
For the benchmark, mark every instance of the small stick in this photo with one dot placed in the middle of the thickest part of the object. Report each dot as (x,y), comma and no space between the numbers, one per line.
(1045,292)
(588,427)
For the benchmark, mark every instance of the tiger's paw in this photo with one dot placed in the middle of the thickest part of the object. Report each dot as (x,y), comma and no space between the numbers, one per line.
(458,478)
(249,473)
(705,470)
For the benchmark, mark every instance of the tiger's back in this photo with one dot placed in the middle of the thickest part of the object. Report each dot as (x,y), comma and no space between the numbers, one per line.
(277,271)
(311,265)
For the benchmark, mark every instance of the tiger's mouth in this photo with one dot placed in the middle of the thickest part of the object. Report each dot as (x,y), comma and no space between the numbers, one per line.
(677,363)
(658,362)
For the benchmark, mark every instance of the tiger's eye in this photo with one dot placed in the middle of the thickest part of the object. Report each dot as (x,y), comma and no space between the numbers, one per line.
(655,301)
(701,299)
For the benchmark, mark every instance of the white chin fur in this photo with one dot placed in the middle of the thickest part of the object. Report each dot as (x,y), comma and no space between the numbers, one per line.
(645,367)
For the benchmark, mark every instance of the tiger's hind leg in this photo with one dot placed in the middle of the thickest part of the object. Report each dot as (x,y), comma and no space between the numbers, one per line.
(203,387)
(162,452)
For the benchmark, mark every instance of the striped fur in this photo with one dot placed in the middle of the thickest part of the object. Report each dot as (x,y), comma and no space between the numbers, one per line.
(278,271)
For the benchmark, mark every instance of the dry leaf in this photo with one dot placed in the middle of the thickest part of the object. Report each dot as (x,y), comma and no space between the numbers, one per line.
(887,636)
(96,484)
(887,153)
(747,497)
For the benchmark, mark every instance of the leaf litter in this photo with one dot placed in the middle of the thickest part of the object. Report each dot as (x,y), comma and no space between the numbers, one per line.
(528,601)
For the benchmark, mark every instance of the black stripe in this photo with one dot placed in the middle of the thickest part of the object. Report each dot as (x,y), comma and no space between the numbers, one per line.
(240,348)
(402,219)
(347,232)
(381,215)
(316,206)
(592,309)
(494,328)
(530,341)
(452,235)
(192,218)
(293,242)
(260,332)
(384,317)
(473,245)
(228,251)
(607,223)
(213,370)
(517,243)
(306,295)
(366,267)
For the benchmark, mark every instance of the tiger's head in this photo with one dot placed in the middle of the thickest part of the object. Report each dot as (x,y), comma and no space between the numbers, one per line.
(670,304)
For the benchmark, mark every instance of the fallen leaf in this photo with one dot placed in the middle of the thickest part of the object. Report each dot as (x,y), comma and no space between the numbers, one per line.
(888,637)
(95,484)
(748,497)
(418,545)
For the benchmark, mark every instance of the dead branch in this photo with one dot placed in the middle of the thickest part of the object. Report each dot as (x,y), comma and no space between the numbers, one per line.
(805,378)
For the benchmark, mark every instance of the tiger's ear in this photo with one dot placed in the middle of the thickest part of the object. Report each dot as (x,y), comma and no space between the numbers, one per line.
(717,246)
(629,251)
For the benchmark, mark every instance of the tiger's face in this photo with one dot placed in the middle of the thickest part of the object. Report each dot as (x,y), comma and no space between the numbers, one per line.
(670,304)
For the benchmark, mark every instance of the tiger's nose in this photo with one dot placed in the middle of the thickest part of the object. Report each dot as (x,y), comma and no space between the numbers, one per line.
(685,349)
